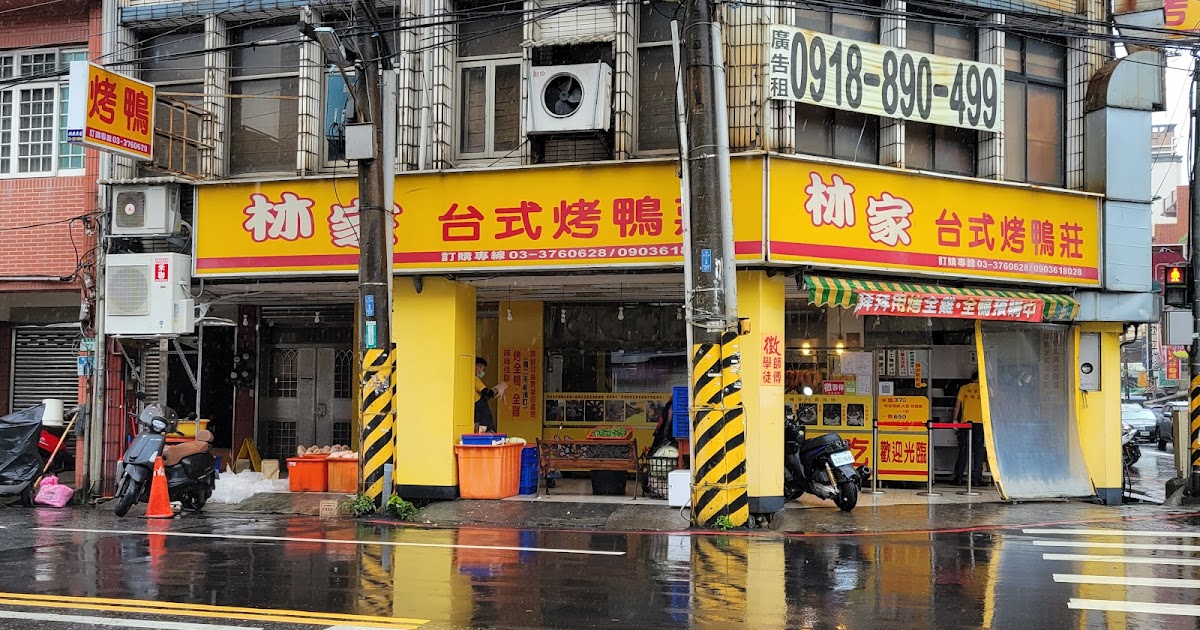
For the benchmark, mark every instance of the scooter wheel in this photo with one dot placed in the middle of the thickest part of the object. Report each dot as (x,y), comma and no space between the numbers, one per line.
(847,496)
(126,496)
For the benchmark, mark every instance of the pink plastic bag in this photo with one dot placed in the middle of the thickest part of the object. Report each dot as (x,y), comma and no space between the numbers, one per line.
(53,494)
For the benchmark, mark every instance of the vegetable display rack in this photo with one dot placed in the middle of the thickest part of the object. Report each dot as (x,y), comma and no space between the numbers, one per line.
(610,434)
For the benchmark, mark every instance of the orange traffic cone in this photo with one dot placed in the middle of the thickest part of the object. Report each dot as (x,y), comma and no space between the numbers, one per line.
(160,499)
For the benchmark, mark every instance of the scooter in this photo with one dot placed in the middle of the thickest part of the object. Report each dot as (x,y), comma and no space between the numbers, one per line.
(822,466)
(191,469)
(20,462)
(1130,451)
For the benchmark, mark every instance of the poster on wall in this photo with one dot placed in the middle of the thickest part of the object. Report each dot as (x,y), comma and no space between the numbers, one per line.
(520,368)
(903,413)
(597,408)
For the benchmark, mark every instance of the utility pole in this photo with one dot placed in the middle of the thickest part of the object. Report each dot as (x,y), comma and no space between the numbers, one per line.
(1194,257)
(719,490)
(378,361)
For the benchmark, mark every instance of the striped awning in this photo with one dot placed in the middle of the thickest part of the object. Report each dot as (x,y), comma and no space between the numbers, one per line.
(843,292)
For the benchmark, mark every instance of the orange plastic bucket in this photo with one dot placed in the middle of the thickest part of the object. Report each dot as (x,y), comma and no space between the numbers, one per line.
(343,475)
(489,472)
(307,474)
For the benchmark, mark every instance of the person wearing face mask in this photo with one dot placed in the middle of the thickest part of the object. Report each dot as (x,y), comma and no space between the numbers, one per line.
(484,421)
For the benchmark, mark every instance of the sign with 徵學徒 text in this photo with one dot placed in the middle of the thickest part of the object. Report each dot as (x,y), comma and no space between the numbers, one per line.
(110,111)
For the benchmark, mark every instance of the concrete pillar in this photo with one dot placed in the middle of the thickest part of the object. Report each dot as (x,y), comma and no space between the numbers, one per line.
(1099,413)
(761,299)
(433,325)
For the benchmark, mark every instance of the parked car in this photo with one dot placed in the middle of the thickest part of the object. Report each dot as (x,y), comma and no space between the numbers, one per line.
(1166,429)
(1143,421)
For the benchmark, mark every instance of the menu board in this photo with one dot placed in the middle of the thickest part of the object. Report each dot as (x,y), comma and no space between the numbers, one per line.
(597,408)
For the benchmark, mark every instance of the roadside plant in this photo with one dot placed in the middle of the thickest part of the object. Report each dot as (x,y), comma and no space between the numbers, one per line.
(359,506)
(724,523)
(397,507)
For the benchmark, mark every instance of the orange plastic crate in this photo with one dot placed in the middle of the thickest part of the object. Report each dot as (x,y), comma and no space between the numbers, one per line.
(307,474)
(343,475)
(489,472)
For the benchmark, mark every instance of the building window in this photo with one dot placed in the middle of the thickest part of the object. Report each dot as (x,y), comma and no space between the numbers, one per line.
(173,62)
(33,114)
(936,147)
(826,132)
(489,82)
(1035,111)
(656,126)
(264,114)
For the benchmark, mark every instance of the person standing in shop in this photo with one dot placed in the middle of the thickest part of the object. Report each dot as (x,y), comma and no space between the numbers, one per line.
(969,409)
(484,422)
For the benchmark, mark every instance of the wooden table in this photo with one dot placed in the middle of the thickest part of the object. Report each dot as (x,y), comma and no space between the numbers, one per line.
(581,455)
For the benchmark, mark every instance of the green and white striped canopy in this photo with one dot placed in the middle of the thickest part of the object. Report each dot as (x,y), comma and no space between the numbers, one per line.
(843,292)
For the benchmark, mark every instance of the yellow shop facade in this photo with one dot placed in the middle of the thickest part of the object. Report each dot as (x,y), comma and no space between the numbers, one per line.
(873,294)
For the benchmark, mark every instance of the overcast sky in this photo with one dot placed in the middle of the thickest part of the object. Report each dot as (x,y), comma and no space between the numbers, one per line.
(1179,84)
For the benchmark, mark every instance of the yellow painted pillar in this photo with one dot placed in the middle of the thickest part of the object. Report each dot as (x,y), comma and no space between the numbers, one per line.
(761,300)
(434,331)
(1099,412)
(521,363)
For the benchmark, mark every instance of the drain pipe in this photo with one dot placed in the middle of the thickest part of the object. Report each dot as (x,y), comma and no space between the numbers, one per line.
(1124,364)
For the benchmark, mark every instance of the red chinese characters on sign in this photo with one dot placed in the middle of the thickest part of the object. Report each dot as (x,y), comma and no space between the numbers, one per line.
(772,361)
(520,368)
(137,110)
(833,388)
(289,219)
(906,304)
(102,99)
(344,220)
(903,452)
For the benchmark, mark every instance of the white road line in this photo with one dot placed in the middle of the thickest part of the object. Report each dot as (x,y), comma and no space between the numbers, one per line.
(1079,557)
(1150,608)
(1112,532)
(116,623)
(1114,545)
(330,541)
(1123,580)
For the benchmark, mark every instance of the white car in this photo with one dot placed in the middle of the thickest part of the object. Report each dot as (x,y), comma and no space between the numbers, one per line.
(1143,421)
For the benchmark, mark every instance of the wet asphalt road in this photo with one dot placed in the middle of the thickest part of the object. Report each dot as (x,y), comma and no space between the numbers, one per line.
(284,573)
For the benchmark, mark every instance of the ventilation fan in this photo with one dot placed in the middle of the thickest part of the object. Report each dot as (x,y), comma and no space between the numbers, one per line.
(570,98)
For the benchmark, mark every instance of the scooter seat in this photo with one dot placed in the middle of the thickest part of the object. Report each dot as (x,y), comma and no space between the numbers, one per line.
(176,453)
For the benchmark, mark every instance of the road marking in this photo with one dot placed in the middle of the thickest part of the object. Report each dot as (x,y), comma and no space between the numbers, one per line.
(1078,557)
(1114,545)
(116,623)
(330,541)
(1122,580)
(1113,532)
(1150,608)
(146,607)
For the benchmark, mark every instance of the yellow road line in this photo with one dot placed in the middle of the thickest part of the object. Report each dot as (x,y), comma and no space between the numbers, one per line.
(207,611)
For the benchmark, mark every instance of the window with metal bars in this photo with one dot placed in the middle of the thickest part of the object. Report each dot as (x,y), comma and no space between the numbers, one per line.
(33,114)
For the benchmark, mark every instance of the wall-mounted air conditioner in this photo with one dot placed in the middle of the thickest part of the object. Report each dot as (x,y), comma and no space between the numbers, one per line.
(148,294)
(570,98)
(145,210)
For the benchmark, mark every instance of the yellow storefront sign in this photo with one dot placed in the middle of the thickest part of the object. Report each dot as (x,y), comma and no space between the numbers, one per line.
(885,220)
(110,111)
(554,217)
(903,413)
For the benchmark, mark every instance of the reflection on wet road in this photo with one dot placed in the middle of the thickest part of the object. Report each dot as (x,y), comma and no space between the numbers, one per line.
(214,571)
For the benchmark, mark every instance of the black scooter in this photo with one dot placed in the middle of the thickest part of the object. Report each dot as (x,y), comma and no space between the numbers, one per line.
(822,466)
(191,469)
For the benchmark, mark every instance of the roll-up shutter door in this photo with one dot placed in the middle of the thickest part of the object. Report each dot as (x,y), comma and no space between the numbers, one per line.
(44,366)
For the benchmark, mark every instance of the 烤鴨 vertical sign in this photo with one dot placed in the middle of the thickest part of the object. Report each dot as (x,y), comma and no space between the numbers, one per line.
(110,111)
(810,67)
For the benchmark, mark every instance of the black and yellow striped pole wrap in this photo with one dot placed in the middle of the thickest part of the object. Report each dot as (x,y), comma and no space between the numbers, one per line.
(719,434)
(1194,407)
(378,418)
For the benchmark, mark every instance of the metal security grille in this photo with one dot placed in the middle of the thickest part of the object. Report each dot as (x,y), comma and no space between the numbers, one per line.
(44,366)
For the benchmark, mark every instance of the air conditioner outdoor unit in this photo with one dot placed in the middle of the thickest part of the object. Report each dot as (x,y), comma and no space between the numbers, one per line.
(570,98)
(145,210)
(148,294)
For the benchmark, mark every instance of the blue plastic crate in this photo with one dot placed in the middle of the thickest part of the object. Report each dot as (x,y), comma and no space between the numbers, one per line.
(681,423)
(529,470)
(483,439)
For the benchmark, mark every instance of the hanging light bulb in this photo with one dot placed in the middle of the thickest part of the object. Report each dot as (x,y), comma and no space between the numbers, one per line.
(929,322)
(840,345)
(679,313)
(245,320)
(562,315)
(621,313)
(508,314)
(806,348)
(877,322)
(317,318)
